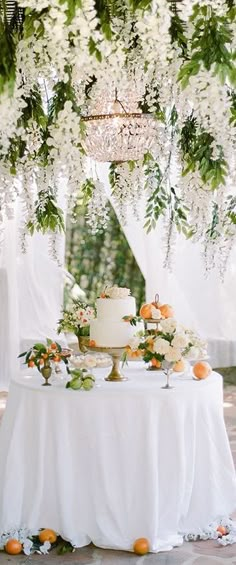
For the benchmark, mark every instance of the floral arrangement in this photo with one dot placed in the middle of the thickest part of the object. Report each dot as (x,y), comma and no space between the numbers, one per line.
(40,354)
(174,60)
(77,319)
(170,344)
(115,292)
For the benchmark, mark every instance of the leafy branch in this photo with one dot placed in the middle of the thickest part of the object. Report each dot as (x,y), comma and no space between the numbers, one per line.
(197,153)
(47,216)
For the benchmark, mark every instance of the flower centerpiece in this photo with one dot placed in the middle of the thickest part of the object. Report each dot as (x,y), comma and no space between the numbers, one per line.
(41,356)
(77,321)
(168,347)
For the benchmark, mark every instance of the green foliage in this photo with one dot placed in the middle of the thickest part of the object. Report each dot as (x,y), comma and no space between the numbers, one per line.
(209,46)
(48,217)
(8,37)
(101,260)
(197,152)
(158,200)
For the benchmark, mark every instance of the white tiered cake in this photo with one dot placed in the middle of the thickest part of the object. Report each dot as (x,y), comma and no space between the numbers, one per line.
(109,329)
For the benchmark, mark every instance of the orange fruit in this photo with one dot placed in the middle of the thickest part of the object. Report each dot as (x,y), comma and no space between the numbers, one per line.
(57,359)
(179,366)
(47,535)
(146,311)
(167,311)
(92,343)
(222,530)
(41,361)
(141,546)
(53,346)
(31,364)
(155,363)
(44,355)
(201,370)
(13,547)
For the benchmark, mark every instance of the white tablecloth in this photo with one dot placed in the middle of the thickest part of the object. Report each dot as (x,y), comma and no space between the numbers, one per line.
(123,461)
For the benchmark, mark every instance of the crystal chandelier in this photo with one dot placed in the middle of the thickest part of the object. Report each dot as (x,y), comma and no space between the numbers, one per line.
(117,130)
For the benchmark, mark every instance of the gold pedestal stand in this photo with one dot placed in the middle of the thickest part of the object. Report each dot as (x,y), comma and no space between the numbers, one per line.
(154,333)
(115,352)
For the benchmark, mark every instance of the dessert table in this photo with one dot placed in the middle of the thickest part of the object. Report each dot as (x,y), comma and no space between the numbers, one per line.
(122,461)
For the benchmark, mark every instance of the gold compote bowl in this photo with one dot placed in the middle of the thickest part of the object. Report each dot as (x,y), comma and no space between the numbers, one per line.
(115,352)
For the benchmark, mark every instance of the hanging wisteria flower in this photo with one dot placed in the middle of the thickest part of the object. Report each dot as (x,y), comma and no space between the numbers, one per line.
(171,75)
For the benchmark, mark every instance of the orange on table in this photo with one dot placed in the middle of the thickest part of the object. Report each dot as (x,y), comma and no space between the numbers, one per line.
(47,535)
(57,359)
(201,370)
(166,311)
(13,546)
(222,530)
(155,363)
(179,366)
(141,546)
(92,343)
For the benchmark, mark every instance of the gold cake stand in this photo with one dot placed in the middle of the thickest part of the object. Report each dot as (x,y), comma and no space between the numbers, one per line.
(151,321)
(115,352)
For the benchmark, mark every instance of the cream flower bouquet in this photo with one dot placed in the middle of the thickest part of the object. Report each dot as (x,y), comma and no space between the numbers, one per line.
(169,345)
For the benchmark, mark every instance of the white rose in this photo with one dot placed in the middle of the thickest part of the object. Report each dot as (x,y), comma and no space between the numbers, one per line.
(161,346)
(134,343)
(173,355)
(155,313)
(117,292)
(180,341)
(193,353)
(169,325)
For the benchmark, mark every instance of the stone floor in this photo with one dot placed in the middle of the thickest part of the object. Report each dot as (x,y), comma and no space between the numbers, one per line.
(194,553)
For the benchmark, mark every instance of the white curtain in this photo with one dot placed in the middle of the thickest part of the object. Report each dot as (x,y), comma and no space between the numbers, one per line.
(31,295)
(204,304)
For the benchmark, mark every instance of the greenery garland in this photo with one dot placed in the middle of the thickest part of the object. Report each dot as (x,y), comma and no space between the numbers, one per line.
(204,43)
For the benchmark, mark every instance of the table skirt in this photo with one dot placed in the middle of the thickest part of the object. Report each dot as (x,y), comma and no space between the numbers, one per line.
(123,461)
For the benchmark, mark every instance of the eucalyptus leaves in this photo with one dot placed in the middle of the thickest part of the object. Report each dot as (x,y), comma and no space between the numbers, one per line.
(59,57)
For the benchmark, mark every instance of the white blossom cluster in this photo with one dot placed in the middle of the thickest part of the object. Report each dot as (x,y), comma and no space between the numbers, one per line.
(141,64)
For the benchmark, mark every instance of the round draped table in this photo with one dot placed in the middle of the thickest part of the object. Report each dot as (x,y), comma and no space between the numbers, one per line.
(122,461)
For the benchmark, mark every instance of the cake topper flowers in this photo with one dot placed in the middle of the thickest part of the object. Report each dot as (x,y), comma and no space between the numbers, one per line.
(115,292)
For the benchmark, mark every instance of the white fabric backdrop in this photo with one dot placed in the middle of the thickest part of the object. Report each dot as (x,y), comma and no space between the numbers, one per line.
(31,288)
(31,294)
(205,304)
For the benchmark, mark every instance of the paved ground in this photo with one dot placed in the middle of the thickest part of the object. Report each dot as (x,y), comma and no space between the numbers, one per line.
(194,553)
